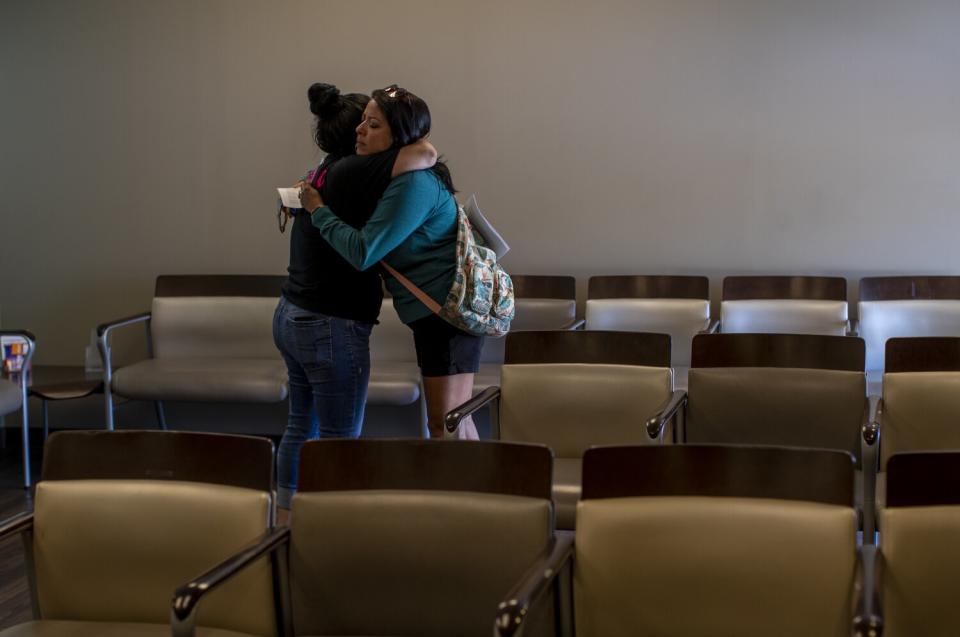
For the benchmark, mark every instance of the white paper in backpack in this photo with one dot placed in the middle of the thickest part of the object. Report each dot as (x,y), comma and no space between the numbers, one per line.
(491,238)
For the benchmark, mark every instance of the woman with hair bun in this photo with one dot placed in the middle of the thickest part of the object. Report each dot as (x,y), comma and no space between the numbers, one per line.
(327,307)
(414,231)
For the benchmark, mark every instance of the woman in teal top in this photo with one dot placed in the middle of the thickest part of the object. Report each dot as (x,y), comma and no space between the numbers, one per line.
(414,231)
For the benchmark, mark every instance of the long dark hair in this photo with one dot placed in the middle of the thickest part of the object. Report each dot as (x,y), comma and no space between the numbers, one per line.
(409,119)
(337,118)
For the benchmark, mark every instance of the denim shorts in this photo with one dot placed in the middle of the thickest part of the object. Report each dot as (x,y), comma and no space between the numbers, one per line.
(444,350)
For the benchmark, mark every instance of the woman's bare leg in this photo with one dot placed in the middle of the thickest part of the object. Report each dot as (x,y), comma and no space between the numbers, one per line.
(443,393)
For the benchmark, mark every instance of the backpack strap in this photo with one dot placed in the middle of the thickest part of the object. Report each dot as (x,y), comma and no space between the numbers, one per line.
(432,305)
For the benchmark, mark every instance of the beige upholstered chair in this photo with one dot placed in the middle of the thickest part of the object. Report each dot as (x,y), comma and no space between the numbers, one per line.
(919,555)
(122,518)
(674,305)
(543,302)
(905,306)
(784,305)
(13,396)
(210,339)
(920,408)
(781,389)
(571,390)
(690,540)
(413,537)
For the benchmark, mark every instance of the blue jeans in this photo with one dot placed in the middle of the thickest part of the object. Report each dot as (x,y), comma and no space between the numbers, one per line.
(328,365)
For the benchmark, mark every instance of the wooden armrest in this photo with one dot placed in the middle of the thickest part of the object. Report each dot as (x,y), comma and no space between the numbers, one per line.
(669,409)
(453,419)
(188,596)
(105,328)
(871,428)
(513,610)
(16,524)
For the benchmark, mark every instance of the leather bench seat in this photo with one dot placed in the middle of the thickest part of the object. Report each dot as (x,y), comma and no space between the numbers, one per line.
(393,383)
(882,320)
(784,316)
(680,318)
(255,380)
(394,374)
(210,339)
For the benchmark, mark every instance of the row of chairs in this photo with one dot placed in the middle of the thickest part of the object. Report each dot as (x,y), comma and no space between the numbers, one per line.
(406,537)
(209,337)
(680,306)
(203,327)
(423,538)
(573,390)
(747,541)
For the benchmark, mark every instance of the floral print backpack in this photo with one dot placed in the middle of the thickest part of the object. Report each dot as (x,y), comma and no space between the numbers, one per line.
(481,299)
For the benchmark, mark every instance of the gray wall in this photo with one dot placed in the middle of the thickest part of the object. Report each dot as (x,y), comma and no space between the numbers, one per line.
(659,136)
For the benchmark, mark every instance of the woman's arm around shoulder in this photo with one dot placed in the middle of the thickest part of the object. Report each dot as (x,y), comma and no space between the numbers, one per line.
(405,205)
(419,155)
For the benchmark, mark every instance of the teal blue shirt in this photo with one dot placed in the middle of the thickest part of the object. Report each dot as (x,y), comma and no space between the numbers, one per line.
(413,229)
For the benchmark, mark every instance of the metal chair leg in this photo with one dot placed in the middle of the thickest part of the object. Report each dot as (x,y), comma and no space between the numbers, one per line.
(424,427)
(161,420)
(26,444)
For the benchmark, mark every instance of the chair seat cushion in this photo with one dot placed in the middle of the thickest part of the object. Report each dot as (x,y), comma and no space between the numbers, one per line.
(253,380)
(63,628)
(10,397)
(393,383)
(567,474)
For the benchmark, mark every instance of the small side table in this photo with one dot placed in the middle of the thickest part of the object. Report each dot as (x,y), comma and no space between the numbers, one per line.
(61,382)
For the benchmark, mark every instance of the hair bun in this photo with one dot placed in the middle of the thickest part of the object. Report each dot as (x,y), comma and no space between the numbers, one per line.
(324,99)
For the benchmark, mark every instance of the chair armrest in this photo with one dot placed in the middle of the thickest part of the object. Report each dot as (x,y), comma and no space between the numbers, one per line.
(575,324)
(853,327)
(867,613)
(669,409)
(453,418)
(16,524)
(187,597)
(712,328)
(104,328)
(513,610)
(871,428)
(103,341)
